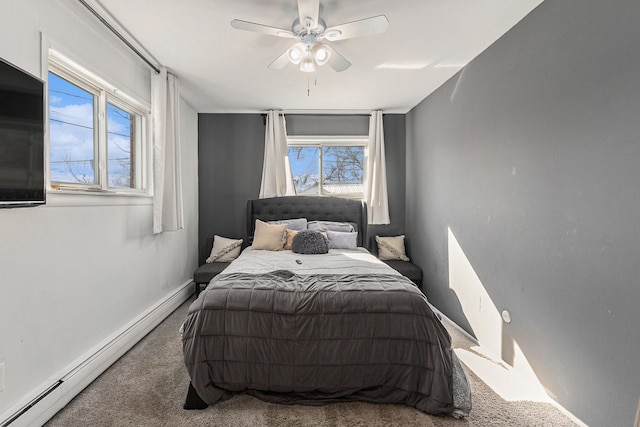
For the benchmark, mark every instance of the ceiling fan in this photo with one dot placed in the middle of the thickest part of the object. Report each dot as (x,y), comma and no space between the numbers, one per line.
(311,31)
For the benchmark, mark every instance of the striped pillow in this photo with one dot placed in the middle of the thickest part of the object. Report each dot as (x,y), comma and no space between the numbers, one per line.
(391,248)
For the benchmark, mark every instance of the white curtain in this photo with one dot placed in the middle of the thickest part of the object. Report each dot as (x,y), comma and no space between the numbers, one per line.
(276,171)
(376,190)
(167,183)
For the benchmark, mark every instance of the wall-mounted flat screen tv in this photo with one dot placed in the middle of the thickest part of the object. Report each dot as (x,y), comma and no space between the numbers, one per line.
(22,179)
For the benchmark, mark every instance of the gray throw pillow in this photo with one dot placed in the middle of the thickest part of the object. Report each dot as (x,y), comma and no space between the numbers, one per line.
(309,242)
(297,224)
(341,240)
(330,226)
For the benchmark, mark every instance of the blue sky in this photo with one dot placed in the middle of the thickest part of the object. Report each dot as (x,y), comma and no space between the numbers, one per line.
(71,117)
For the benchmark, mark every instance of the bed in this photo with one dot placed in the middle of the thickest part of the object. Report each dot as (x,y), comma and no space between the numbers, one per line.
(311,329)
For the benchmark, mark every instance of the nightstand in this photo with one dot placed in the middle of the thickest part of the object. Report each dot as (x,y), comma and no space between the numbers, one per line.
(206,272)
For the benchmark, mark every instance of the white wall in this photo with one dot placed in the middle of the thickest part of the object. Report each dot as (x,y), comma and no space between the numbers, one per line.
(74,272)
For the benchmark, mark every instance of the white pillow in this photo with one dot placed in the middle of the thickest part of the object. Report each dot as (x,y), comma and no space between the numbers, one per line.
(270,237)
(224,250)
(390,248)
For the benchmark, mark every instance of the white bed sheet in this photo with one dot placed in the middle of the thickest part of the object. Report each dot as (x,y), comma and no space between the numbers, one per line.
(337,261)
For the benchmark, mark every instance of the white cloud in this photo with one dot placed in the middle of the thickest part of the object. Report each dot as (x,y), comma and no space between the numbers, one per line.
(71,141)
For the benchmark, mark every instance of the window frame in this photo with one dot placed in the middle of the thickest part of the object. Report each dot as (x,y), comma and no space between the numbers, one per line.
(104,94)
(323,141)
(138,155)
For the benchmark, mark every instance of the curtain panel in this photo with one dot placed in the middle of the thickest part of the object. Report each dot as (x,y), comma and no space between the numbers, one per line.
(276,172)
(167,182)
(376,188)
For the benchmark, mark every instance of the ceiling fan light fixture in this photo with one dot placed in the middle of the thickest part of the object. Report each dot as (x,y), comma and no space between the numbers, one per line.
(295,55)
(321,54)
(307,64)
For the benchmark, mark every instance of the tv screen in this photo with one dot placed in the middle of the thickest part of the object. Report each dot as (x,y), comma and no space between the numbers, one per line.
(22,180)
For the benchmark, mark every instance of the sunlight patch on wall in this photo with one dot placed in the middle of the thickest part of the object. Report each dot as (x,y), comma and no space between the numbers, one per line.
(487,361)
(523,367)
(477,305)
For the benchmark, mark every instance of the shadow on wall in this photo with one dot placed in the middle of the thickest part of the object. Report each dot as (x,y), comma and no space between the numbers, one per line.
(491,331)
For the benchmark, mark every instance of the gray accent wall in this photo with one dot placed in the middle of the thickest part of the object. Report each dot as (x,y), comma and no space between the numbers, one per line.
(230,154)
(327,124)
(523,194)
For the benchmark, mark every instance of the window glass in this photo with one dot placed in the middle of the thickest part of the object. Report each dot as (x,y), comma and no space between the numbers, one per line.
(71,132)
(343,169)
(305,162)
(333,167)
(120,147)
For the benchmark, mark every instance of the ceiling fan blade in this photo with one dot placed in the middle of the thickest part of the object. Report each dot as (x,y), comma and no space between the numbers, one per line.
(364,27)
(280,62)
(259,28)
(309,9)
(337,61)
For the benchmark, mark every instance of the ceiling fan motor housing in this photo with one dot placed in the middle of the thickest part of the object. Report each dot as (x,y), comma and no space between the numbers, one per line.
(311,34)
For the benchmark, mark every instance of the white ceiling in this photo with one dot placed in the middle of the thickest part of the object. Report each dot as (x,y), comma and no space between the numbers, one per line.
(222,69)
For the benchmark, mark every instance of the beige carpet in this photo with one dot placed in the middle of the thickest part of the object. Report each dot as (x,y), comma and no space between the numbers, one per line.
(148,385)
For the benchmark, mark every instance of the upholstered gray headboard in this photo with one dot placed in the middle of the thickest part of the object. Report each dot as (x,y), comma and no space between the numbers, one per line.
(311,208)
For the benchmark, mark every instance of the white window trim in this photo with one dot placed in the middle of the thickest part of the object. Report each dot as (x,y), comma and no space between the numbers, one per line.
(53,60)
(348,140)
(333,140)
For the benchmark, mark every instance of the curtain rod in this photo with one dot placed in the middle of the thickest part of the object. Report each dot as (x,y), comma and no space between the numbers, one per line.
(264,115)
(299,113)
(328,115)
(284,113)
(120,36)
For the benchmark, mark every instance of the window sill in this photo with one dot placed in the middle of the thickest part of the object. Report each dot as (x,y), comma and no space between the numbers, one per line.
(68,197)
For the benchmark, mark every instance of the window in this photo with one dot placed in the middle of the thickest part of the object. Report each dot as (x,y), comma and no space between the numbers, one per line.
(332,166)
(96,134)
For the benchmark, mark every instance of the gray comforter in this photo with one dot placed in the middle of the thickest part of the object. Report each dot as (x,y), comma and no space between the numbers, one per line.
(318,338)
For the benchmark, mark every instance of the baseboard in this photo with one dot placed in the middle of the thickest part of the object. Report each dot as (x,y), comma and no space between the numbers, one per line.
(44,402)
(454,324)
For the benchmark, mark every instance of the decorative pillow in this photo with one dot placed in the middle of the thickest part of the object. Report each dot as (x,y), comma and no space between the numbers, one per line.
(291,234)
(309,242)
(330,226)
(289,239)
(390,248)
(342,240)
(296,224)
(269,237)
(224,250)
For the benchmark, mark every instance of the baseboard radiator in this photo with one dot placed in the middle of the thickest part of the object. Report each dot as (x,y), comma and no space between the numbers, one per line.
(53,396)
